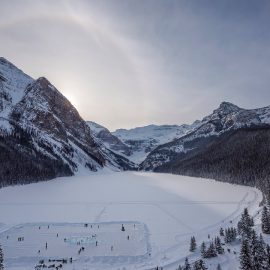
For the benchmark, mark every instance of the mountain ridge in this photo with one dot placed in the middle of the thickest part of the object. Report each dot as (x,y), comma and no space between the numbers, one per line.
(43,136)
(38,123)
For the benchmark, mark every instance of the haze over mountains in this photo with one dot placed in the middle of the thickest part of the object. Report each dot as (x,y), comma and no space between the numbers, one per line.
(42,136)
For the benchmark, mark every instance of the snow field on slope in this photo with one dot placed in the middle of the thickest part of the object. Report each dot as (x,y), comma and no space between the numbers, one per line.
(173,208)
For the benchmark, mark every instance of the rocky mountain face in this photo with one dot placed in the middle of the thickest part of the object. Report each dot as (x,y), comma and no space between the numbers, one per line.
(108,139)
(115,150)
(142,140)
(231,144)
(238,156)
(227,117)
(41,134)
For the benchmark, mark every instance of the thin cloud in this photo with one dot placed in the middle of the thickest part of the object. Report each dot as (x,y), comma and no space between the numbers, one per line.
(131,63)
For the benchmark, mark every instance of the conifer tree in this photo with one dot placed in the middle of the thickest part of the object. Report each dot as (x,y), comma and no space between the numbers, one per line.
(203,250)
(218,246)
(193,244)
(230,235)
(199,265)
(258,255)
(1,259)
(268,257)
(265,220)
(245,224)
(187,265)
(219,267)
(245,256)
(221,232)
(211,251)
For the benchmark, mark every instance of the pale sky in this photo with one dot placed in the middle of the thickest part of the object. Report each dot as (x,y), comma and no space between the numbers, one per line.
(127,63)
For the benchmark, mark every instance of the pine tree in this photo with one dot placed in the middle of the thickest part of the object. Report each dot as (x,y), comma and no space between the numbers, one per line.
(211,251)
(199,265)
(203,250)
(245,256)
(221,232)
(187,265)
(245,224)
(227,236)
(218,246)
(265,221)
(263,253)
(233,233)
(257,252)
(193,244)
(1,259)
(268,257)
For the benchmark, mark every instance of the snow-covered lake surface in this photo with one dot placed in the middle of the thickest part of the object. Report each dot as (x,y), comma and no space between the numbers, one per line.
(167,209)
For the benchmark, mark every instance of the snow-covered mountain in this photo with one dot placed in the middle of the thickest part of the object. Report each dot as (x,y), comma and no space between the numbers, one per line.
(227,117)
(43,136)
(112,148)
(142,140)
(108,139)
(41,133)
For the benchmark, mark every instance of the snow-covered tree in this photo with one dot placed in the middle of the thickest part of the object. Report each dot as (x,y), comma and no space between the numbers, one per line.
(1,259)
(221,232)
(268,257)
(245,256)
(258,255)
(230,235)
(187,265)
(218,246)
(193,244)
(265,220)
(199,265)
(245,225)
(211,251)
(203,249)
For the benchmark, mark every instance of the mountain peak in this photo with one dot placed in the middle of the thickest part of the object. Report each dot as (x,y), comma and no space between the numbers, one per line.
(3,60)
(7,64)
(228,106)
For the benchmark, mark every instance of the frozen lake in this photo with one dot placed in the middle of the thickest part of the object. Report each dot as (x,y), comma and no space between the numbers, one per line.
(171,208)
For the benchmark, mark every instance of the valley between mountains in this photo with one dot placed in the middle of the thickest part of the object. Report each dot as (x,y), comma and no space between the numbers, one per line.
(132,198)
